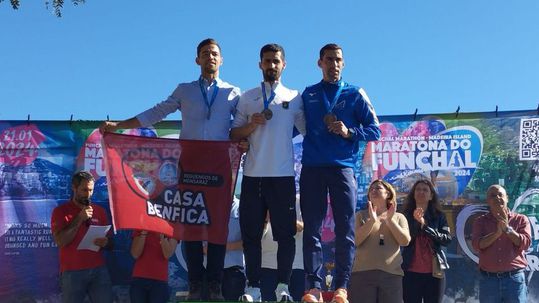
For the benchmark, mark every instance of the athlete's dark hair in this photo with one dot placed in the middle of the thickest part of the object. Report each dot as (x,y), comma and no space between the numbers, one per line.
(272,47)
(330,46)
(207,42)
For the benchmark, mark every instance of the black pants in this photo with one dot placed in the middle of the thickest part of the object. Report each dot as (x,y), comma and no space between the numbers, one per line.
(194,257)
(418,287)
(233,284)
(258,196)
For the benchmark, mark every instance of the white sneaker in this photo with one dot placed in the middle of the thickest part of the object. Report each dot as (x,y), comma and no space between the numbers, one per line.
(282,294)
(252,294)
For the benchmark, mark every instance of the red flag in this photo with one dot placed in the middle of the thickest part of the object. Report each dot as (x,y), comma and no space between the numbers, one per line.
(181,188)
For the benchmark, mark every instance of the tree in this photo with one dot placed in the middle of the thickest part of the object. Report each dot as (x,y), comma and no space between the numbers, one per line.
(57,5)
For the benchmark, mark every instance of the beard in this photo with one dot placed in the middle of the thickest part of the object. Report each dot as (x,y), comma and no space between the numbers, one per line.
(83,200)
(271,75)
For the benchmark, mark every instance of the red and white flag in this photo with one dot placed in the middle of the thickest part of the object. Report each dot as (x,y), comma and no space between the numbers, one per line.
(181,188)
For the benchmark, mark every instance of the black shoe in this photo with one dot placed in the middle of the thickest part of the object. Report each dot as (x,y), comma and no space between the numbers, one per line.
(214,291)
(195,291)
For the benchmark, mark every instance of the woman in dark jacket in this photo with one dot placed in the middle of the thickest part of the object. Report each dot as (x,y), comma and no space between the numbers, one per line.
(423,259)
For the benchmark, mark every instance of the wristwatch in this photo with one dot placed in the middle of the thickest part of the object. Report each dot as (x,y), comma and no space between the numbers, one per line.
(508,230)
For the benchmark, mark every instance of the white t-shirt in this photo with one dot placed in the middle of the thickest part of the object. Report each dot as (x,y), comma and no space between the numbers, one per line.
(271,152)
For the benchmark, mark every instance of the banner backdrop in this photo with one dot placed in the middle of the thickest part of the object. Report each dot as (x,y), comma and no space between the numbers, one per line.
(462,154)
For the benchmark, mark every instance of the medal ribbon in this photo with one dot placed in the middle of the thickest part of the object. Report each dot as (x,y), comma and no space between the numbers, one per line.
(329,106)
(266,100)
(205,95)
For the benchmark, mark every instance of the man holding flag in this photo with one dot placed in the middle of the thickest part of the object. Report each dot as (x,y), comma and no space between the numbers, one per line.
(207,105)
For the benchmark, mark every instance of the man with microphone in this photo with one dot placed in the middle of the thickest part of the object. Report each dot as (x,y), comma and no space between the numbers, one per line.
(83,271)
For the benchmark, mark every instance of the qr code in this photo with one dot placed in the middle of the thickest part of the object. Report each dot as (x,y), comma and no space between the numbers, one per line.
(529,139)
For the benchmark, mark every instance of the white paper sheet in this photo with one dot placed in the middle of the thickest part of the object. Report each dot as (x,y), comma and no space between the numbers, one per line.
(94,232)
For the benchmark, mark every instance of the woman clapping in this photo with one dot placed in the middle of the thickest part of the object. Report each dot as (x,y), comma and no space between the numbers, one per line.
(380,232)
(424,260)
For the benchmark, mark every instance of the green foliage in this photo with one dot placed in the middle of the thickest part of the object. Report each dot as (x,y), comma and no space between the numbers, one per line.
(56,5)
(500,158)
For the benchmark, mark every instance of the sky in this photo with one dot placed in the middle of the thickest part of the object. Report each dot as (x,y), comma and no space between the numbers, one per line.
(117,58)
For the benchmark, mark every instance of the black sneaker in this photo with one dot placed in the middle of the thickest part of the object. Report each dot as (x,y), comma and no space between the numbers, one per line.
(195,291)
(214,291)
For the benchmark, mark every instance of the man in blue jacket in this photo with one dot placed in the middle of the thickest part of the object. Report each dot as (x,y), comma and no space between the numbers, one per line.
(338,116)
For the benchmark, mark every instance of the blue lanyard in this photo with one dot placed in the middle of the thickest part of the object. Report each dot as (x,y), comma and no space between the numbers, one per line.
(266,100)
(205,95)
(329,106)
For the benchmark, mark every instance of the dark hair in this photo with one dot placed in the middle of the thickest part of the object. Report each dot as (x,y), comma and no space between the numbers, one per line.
(77,178)
(392,195)
(434,208)
(272,47)
(207,42)
(329,46)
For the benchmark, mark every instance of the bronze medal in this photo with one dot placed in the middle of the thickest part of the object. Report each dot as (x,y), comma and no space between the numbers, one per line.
(329,118)
(268,114)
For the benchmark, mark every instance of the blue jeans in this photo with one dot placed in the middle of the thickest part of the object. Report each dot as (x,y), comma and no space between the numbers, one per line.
(148,291)
(94,282)
(511,288)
